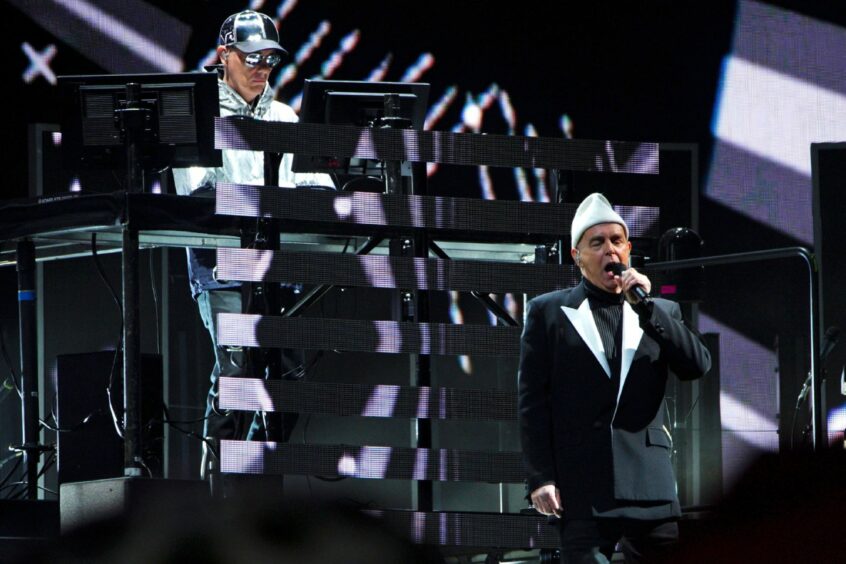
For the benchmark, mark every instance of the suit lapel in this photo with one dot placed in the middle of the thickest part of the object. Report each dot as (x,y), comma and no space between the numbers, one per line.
(632,334)
(577,310)
(582,320)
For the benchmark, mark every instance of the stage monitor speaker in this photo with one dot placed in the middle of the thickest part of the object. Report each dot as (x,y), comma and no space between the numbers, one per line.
(88,445)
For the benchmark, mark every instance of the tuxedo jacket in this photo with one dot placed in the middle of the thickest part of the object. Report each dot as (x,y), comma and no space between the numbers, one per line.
(601,444)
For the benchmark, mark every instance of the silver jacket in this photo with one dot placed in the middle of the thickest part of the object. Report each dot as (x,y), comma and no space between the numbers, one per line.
(240,167)
(246,167)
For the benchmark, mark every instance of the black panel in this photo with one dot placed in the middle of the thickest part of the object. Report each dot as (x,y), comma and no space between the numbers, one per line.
(367,400)
(371,462)
(378,271)
(472,529)
(367,336)
(467,218)
(436,146)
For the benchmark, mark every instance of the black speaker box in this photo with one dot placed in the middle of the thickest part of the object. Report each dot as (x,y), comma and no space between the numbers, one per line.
(88,444)
(99,501)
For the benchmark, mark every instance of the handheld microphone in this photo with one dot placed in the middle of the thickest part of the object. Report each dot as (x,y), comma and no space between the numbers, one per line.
(618,268)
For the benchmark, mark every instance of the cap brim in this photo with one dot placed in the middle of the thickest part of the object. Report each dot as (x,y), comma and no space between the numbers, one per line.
(260,45)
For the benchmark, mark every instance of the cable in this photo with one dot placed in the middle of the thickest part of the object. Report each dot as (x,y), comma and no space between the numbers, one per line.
(76,427)
(690,411)
(327,479)
(103,277)
(155,303)
(51,460)
(8,362)
(187,421)
(6,391)
(360,179)
(793,425)
(19,456)
(144,465)
(23,483)
(115,419)
(192,434)
(118,180)
(9,458)
(119,347)
(3,484)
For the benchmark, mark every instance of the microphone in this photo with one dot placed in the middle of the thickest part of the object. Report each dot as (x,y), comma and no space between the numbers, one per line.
(832,334)
(618,268)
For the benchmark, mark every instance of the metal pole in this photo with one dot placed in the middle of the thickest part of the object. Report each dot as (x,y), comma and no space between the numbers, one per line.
(29,363)
(132,121)
(393,169)
(132,461)
(422,370)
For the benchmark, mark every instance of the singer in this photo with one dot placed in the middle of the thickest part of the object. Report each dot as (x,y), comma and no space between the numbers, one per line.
(593,369)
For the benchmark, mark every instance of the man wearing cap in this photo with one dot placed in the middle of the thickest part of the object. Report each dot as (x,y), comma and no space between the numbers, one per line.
(593,368)
(249,49)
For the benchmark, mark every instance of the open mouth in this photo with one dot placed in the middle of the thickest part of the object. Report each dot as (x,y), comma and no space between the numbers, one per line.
(614,269)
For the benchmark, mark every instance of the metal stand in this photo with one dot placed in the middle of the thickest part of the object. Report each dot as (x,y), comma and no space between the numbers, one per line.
(132,121)
(392,120)
(817,403)
(29,365)
(413,306)
(263,298)
(132,459)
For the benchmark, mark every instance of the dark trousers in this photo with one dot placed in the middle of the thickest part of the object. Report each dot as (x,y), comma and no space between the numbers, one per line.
(594,540)
(233,361)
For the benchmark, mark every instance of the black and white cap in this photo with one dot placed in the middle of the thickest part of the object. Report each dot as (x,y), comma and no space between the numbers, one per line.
(250,31)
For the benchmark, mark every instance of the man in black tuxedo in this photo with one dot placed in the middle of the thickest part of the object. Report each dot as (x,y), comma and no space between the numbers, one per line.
(593,369)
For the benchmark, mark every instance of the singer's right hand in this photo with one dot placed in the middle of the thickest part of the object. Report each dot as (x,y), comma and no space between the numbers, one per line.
(547,500)
(631,278)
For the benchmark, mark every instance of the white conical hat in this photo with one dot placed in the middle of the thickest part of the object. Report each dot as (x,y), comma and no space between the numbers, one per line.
(593,210)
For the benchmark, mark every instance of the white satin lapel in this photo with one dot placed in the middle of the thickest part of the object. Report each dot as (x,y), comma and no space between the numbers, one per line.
(632,333)
(582,320)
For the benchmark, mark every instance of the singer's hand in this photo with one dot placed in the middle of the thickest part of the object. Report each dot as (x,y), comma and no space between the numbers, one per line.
(547,500)
(631,278)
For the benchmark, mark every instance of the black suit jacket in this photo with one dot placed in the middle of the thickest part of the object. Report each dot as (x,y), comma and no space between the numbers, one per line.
(602,445)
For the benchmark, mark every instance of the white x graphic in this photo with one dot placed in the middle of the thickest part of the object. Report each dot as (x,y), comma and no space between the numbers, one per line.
(39,63)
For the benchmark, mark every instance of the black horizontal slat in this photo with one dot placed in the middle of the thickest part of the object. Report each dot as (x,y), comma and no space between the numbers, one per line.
(443,147)
(480,530)
(370,462)
(367,400)
(380,271)
(443,217)
(235,329)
